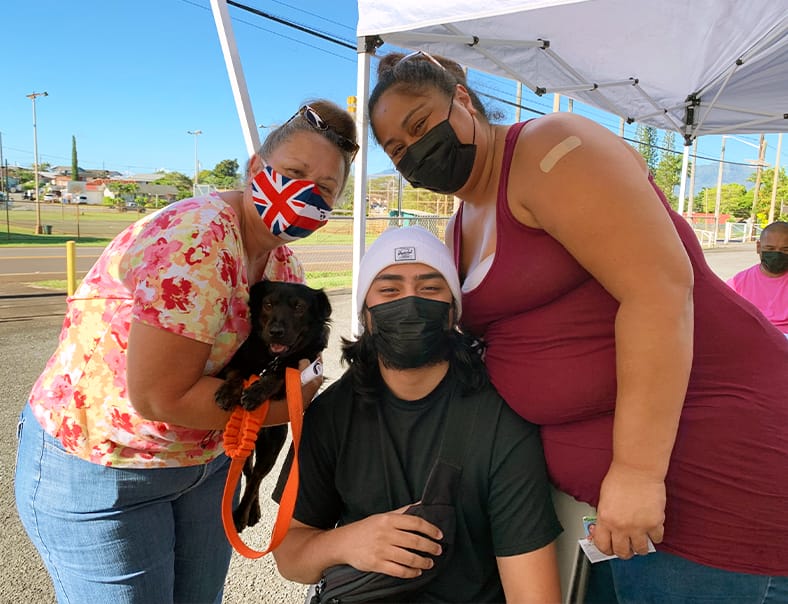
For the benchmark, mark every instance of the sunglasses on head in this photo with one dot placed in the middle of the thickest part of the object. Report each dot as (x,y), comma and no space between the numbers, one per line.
(418,54)
(313,118)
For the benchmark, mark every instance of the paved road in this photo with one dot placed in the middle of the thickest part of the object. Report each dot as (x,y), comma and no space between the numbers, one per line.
(49,262)
(29,328)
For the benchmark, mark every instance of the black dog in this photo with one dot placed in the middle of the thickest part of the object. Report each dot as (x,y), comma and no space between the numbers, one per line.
(290,322)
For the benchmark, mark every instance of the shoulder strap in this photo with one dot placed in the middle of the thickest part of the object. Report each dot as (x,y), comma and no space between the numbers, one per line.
(459,429)
(508,152)
(443,482)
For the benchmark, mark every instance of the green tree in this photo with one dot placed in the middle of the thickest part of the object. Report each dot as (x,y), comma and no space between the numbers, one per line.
(765,194)
(74,163)
(647,145)
(124,191)
(223,176)
(667,173)
(227,168)
(25,176)
(178,180)
(734,200)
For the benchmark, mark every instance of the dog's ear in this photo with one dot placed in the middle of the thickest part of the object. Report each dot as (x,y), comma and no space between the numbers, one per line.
(321,305)
(256,292)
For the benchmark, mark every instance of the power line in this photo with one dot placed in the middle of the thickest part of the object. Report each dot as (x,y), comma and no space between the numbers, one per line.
(298,8)
(276,33)
(303,28)
(511,103)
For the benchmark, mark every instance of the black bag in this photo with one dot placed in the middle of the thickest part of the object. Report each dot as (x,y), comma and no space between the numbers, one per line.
(344,584)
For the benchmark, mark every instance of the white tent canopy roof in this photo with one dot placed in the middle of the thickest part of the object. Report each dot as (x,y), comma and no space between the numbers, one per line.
(696,67)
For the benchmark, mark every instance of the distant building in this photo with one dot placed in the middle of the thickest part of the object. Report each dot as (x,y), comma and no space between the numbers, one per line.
(61,175)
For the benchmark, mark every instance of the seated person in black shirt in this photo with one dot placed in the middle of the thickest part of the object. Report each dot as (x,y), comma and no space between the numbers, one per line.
(370,441)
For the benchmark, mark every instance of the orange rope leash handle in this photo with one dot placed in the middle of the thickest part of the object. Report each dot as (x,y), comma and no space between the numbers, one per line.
(240,435)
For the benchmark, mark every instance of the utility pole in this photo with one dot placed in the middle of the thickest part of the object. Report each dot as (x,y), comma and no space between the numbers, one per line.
(33,96)
(719,192)
(776,179)
(3,180)
(195,133)
(759,168)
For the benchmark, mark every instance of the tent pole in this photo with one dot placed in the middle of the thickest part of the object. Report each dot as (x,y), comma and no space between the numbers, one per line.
(365,52)
(232,60)
(719,191)
(691,197)
(683,185)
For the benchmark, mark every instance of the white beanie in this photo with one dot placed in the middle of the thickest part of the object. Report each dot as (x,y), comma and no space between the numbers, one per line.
(407,245)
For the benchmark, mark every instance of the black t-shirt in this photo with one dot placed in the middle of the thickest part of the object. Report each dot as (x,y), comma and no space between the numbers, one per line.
(352,466)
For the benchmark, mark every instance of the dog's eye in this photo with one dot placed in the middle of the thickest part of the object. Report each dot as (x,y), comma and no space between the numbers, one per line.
(299,307)
(267,306)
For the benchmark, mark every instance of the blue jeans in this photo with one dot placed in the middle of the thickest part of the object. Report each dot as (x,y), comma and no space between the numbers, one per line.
(121,535)
(662,578)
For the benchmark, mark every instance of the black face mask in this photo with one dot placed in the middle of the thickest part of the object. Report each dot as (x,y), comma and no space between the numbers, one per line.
(411,332)
(775,262)
(438,161)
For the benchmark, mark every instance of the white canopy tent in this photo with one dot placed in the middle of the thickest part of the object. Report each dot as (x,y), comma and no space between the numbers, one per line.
(696,67)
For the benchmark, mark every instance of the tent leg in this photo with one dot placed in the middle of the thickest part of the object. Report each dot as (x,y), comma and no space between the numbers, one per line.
(360,178)
(683,185)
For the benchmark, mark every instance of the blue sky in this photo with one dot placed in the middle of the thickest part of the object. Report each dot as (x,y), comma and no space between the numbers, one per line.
(129,79)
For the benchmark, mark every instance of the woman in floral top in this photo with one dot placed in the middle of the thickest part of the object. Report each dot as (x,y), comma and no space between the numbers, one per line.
(120,468)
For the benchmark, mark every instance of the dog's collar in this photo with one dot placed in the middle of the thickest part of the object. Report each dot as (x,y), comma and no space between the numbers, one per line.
(272,366)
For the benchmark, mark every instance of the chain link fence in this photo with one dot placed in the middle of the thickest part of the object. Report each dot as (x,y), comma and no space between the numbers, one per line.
(327,255)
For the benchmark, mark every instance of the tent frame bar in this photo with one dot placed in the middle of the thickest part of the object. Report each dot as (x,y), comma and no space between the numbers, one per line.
(586,87)
(774,34)
(235,72)
(459,38)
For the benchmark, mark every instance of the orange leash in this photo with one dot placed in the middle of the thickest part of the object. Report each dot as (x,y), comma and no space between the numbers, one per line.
(240,435)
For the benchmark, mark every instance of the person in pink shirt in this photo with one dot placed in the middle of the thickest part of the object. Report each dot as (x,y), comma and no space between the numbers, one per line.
(766,283)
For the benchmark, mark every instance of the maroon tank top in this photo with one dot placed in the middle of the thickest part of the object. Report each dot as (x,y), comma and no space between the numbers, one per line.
(549,329)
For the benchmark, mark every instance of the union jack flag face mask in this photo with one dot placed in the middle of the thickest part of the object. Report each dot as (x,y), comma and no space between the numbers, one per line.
(291,208)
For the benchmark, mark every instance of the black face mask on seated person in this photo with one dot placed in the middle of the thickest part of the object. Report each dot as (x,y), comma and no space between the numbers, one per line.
(438,161)
(775,262)
(411,332)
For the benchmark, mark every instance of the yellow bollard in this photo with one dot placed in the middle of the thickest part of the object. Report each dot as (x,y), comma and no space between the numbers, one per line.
(71,267)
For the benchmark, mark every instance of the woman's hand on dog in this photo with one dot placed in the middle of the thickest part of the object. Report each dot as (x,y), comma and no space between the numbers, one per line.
(278,413)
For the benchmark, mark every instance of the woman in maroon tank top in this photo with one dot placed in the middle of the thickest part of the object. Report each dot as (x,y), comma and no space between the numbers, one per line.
(658,390)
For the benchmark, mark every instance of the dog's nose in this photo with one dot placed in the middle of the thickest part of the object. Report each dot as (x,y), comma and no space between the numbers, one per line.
(276,331)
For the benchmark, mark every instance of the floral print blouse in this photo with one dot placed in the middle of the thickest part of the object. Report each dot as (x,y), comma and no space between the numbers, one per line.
(181,269)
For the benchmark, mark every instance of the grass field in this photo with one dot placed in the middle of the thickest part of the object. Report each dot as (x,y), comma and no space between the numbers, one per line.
(96,226)
(318,280)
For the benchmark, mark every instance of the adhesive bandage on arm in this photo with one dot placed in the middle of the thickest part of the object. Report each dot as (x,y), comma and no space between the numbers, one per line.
(556,153)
